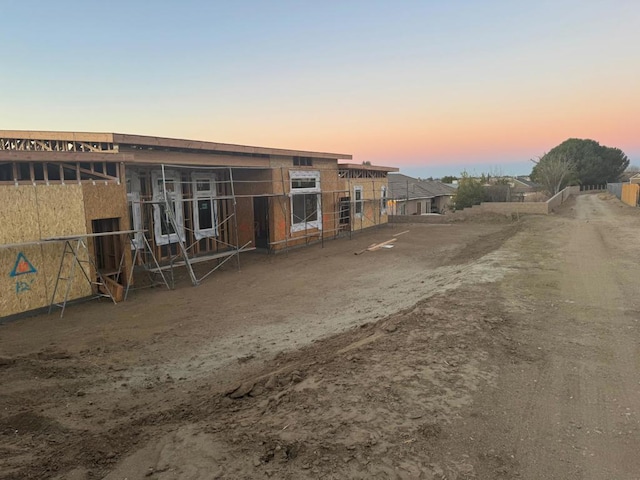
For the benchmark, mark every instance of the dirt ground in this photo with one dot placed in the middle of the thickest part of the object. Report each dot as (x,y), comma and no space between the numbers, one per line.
(485,349)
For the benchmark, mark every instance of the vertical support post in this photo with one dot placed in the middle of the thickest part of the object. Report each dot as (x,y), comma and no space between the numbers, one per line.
(284,211)
(174,224)
(375,207)
(406,206)
(235,216)
(351,207)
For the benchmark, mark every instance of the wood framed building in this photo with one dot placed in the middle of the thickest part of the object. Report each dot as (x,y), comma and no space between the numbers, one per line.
(366,187)
(183,198)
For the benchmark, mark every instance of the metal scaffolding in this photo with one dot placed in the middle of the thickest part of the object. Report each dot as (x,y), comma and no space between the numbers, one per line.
(173,201)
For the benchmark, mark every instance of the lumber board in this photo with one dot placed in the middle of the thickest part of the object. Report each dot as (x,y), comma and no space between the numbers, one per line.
(380,245)
(375,246)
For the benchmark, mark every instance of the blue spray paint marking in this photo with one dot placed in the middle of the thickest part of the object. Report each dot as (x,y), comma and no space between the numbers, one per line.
(22,266)
(23,286)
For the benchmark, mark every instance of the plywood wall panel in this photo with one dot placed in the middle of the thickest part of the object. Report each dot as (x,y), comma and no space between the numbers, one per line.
(33,213)
(61,210)
(18,215)
(80,287)
(106,201)
(21,292)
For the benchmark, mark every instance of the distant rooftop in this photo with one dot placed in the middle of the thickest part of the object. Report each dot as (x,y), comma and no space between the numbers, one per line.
(403,186)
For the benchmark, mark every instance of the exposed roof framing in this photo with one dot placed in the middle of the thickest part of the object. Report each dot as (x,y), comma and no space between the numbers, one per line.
(17,140)
(356,170)
(31,145)
(364,166)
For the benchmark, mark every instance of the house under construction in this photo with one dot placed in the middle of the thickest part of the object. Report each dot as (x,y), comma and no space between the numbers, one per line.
(80,210)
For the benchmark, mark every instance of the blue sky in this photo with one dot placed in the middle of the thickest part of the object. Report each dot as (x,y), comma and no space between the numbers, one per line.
(426,86)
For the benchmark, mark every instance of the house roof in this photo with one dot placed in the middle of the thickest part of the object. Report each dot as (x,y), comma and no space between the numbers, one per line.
(402,187)
(158,143)
(526,182)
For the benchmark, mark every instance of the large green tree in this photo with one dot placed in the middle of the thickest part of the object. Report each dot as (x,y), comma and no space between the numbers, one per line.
(592,163)
(470,192)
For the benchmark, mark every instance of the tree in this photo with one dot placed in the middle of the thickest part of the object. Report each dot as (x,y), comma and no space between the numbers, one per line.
(448,179)
(470,192)
(553,171)
(592,163)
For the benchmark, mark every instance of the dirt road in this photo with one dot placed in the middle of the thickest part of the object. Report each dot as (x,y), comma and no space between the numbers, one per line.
(473,350)
(573,412)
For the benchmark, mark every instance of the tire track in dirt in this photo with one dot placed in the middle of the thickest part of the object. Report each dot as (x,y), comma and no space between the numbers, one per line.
(346,406)
(574,413)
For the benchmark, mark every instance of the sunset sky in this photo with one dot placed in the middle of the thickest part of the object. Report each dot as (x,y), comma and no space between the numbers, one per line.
(432,87)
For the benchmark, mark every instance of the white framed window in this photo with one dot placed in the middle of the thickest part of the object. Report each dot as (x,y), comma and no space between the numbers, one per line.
(383,200)
(205,208)
(163,229)
(135,212)
(305,200)
(358,201)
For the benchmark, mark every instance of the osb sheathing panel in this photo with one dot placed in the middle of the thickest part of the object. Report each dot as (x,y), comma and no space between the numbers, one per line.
(51,256)
(280,211)
(61,210)
(18,215)
(371,194)
(249,182)
(252,182)
(244,210)
(45,211)
(19,293)
(106,201)
(156,157)
(32,290)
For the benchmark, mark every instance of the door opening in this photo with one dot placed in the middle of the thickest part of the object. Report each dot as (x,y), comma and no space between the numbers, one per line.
(345,213)
(261,221)
(108,249)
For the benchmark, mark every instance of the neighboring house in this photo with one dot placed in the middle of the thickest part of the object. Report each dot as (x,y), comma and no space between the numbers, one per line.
(411,196)
(523,185)
(632,178)
(209,200)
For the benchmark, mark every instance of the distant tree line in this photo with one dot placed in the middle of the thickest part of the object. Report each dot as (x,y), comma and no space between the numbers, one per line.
(574,162)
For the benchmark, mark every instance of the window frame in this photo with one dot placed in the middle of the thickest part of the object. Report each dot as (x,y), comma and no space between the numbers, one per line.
(358,204)
(383,200)
(210,195)
(305,175)
(133,201)
(174,196)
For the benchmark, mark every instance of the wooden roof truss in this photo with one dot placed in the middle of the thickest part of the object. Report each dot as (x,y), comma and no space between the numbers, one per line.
(36,145)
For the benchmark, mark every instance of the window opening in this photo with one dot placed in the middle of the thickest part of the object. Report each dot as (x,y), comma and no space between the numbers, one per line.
(305,200)
(205,211)
(135,208)
(383,200)
(357,195)
(163,229)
